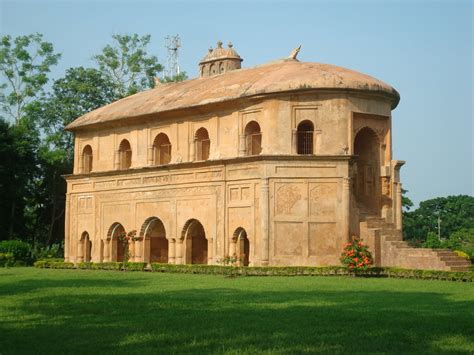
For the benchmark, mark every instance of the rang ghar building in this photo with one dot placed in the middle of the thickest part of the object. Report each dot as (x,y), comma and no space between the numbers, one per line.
(279,164)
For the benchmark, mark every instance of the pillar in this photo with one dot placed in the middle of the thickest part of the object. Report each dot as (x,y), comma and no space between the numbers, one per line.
(346,206)
(399,222)
(294,141)
(232,247)
(179,251)
(192,150)
(117,160)
(150,157)
(131,250)
(67,252)
(81,164)
(146,250)
(107,250)
(242,145)
(80,251)
(171,251)
(317,141)
(210,243)
(138,251)
(264,201)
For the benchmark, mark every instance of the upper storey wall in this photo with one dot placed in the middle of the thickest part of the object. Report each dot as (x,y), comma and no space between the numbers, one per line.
(279,116)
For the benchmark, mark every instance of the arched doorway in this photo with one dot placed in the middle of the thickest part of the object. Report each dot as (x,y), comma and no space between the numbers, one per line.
(87,247)
(195,243)
(367,184)
(242,246)
(161,150)
(155,242)
(117,250)
(203,144)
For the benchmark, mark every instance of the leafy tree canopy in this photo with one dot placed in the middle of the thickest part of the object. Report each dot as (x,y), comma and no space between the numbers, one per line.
(25,62)
(128,65)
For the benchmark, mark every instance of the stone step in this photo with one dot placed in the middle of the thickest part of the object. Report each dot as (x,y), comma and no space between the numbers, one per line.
(457,263)
(459,268)
(392,238)
(451,257)
(400,244)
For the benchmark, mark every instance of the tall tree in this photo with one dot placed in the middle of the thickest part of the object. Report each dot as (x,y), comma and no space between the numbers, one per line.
(128,65)
(81,90)
(25,62)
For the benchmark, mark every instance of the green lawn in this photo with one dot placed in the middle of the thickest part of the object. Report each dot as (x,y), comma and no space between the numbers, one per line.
(79,311)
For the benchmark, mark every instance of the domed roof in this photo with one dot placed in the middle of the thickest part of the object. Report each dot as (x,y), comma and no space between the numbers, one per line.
(221,53)
(282,76)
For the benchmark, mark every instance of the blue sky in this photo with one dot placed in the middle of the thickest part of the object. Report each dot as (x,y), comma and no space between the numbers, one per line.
(422,48)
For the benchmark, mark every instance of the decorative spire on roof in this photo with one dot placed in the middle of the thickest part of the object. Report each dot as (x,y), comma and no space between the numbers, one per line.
(294,52)
(220,60)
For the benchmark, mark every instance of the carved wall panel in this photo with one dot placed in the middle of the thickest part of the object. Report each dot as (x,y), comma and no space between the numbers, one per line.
(289,199)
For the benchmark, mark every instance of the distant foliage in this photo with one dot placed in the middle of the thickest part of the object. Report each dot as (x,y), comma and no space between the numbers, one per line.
(175,79)
(20,251)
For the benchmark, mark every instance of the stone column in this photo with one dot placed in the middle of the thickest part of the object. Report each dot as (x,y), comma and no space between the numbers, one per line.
(179,252)
(232,247)
(80,251)
(192,150)
(317,141)
(138,250)
(264,202)
(242,145)
(150,157)
(131,250)
(67,252)
(81,164)
(171,251)
(117,160)
(146,250)
(210,243)
(106,250)
(399,222)
(294,141)
(346,206)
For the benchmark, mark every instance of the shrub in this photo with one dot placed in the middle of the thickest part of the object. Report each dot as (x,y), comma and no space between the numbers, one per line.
(20,250)
(48,252)
(6,259)
(134,266)
(356,256)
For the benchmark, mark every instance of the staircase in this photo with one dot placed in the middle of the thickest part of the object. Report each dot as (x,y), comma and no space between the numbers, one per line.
(390,250)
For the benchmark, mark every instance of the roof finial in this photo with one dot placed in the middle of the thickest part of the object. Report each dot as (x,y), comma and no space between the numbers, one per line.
(219,44)
(294,52)
(230,45)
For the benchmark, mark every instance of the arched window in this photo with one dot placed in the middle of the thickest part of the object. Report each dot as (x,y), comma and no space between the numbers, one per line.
(203,144)
(125,155)
(161,150)
(253,138)
(87,159)
(305,137)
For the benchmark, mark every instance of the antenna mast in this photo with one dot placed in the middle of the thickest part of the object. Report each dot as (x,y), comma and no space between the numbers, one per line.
(172,66)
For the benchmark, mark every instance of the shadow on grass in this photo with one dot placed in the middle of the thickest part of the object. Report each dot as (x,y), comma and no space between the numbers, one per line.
(217,320)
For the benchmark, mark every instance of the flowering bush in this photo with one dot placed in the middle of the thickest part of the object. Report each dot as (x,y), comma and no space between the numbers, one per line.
(356,256)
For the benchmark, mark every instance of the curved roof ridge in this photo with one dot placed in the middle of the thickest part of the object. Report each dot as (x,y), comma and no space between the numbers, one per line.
(282,75)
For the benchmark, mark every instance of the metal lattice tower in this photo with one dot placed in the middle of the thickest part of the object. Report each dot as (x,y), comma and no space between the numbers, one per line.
(172,66)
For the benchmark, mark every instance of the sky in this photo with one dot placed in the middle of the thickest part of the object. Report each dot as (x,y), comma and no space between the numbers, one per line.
(424,49)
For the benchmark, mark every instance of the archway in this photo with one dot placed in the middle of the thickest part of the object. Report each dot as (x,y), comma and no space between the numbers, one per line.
(196,244)
(161,150)
(367,184)
(87,159)
(155,242)
(203,144)
(87,244)
(125,155)
(242,246)
(117,250)
(253,138)
(305,137)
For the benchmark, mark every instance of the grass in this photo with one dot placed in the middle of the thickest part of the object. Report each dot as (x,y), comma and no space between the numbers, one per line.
(82,311)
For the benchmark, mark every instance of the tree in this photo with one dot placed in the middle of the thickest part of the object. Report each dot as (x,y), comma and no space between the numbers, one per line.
(81,90)
(18,170)
(455,212)
(24,64)
(128,65)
